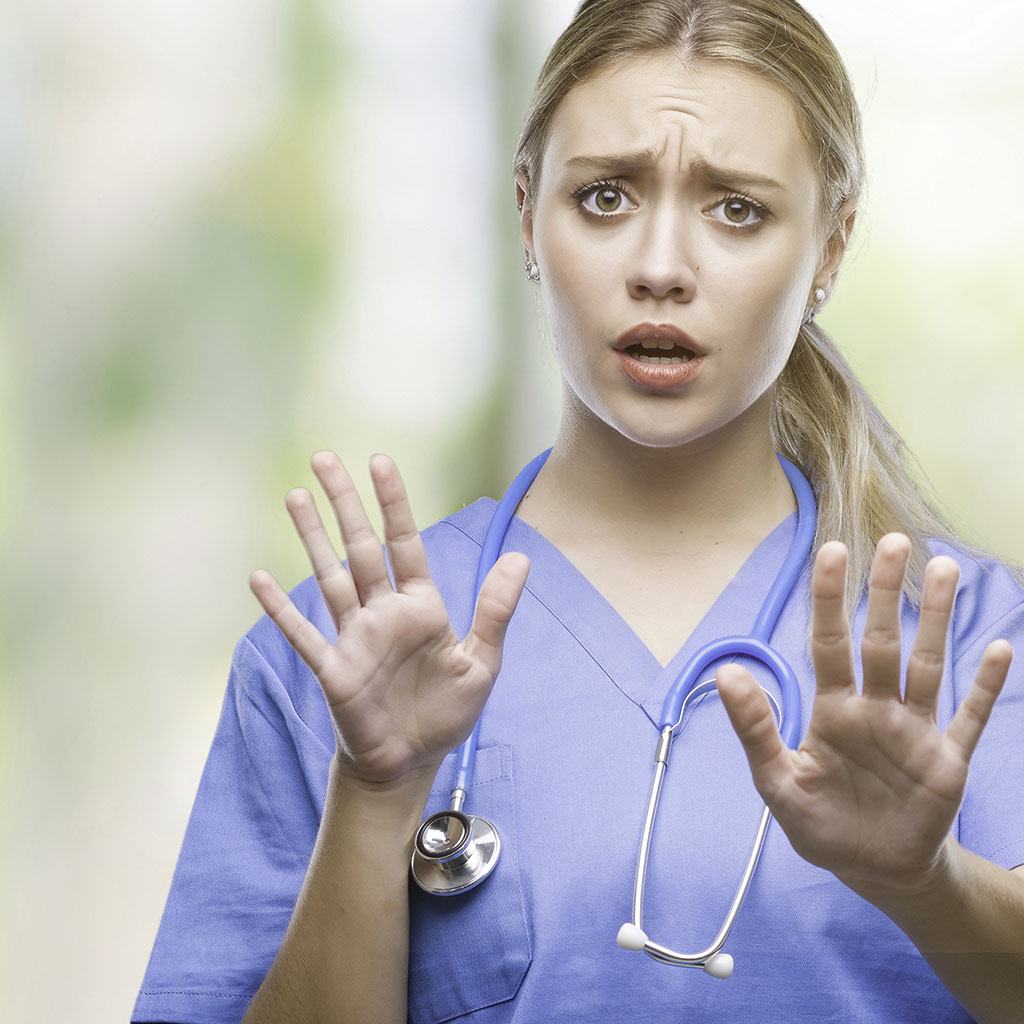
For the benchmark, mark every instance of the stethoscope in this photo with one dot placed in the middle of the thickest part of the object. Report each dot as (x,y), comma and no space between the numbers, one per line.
(453,852)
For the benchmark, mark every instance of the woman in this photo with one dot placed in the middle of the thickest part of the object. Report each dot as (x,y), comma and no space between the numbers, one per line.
(658,523)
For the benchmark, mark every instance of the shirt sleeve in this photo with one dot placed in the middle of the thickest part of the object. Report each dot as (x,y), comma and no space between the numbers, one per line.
(992,812)
(246,849)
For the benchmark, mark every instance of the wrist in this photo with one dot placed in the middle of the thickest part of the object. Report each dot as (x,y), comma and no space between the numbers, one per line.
(918,889)
(413,786)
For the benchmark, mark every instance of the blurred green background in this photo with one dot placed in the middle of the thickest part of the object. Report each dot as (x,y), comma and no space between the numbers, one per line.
(234,233)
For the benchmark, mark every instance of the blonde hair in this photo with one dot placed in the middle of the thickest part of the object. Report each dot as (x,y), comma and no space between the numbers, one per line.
(822,419)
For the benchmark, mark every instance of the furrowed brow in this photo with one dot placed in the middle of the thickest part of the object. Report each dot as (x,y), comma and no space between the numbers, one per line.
(644,159)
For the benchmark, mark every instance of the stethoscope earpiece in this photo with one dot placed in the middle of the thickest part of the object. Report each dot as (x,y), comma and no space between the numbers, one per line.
(631,937)
(718,965)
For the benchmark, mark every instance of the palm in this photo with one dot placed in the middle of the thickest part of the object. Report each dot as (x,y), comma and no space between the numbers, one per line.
(383,679)
(402,688)
(871,783)
(874,787)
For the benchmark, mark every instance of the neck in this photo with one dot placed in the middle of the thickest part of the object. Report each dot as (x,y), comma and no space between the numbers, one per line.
(725,487)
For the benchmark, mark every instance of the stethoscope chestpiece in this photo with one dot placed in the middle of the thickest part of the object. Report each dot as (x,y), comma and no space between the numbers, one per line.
(454,852)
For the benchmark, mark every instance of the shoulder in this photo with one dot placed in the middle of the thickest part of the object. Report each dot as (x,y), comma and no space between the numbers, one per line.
(988,594)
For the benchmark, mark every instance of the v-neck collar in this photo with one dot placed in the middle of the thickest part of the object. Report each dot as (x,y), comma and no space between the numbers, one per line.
(588,616)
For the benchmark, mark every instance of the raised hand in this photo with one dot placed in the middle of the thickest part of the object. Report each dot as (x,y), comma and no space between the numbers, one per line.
(402,688)
(873,789)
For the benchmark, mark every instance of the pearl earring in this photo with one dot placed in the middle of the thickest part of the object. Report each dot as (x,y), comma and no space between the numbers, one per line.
(532,270)
(819,297)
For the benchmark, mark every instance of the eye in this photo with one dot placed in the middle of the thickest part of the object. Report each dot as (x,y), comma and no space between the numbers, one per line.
(605,191)
(737,200)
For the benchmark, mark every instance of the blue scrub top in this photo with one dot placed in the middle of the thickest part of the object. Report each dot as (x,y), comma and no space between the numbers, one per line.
(564,767)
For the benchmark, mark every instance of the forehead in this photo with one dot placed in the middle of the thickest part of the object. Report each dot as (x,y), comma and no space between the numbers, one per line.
(724,115)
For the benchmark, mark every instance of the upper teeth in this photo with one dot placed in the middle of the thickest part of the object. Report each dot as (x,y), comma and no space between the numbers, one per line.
(664,343)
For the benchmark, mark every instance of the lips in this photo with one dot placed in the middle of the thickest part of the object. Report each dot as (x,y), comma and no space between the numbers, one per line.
(658,333)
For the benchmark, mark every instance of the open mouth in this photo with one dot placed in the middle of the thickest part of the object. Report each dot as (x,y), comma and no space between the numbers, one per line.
(677,354)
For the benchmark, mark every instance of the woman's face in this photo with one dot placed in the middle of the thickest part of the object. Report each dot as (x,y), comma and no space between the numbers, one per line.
(666,244)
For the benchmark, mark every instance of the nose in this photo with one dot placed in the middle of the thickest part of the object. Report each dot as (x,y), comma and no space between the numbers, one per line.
(663,264)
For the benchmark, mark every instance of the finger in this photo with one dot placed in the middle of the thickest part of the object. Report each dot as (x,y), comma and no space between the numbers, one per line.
(753,722)
(300,632)
(331,576)
(971,717)
(928,658)
(362,545)
(880,647)
(831,646)
(408,555)
(499,596)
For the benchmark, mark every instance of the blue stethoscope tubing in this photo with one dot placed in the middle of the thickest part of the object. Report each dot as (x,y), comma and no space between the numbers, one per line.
(453,851)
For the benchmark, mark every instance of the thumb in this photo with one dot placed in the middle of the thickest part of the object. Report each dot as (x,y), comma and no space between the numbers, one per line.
(753,722)
(497,601)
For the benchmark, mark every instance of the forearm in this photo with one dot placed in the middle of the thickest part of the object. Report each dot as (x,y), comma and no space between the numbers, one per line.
(969,926)
(345,955)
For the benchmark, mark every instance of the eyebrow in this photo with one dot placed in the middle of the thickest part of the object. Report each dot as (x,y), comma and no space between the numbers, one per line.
(644,159)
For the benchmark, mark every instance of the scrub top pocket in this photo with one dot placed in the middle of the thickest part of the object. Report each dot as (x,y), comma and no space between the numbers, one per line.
(473,949)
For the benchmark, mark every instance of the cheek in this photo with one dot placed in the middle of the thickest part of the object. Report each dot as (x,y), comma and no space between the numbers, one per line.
(757,326)
(580,255)
(575,295)
(763,298)
(763,310)
(580,276)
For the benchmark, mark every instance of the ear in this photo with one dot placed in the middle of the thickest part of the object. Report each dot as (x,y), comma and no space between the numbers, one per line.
(526,211)
(835,248)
